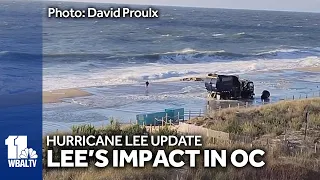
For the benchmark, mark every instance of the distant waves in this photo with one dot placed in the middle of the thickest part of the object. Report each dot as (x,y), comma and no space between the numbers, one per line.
(184,56)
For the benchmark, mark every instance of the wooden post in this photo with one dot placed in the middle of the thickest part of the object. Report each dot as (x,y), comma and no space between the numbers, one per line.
(306,125)
(189,114)
(166,118)
(229,106)
(200,113)
(162,121)
(238,105)
(246,104)
(300,96)
(293,97)
(306,96)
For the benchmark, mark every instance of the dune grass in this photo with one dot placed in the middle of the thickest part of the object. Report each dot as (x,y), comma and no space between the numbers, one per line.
(267,119)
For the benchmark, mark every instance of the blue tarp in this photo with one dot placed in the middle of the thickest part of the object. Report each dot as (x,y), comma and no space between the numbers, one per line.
(155,118)
(175,114)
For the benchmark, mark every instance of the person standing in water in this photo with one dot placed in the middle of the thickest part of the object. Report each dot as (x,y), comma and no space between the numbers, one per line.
(147,84)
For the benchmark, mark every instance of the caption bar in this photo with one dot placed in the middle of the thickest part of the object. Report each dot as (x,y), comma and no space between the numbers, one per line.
(138,150)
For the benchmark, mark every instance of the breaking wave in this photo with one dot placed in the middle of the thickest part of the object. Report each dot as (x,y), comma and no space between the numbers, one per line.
(184,56)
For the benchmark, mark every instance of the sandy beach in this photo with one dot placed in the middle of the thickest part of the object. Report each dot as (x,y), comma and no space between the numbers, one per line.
(57,95)
(309,69)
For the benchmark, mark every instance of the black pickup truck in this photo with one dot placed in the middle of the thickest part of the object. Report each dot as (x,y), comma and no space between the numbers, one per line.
(228,87)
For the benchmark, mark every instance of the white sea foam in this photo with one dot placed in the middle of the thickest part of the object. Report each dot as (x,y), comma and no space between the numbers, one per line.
(184,51)
(169,72)
(290,53)
(190,51)
(240,33)
(217,35)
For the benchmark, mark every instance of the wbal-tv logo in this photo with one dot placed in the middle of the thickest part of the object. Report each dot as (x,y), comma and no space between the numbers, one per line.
(19,155)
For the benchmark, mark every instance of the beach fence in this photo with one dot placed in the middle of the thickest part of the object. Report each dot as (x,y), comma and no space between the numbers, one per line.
(313,94)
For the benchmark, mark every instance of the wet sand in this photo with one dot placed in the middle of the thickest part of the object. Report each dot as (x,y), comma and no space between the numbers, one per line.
(57,95)
(309,69)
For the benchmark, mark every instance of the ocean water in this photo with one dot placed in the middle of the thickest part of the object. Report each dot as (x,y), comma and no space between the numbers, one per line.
(112,58)
(182,42)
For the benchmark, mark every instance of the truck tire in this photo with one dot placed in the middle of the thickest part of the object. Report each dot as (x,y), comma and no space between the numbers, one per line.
(265,95)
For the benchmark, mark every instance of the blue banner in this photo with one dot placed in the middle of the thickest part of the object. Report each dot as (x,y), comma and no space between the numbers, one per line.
(20,90)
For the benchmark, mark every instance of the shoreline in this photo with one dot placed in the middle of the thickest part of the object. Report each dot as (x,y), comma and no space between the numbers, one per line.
(56,96)
(309,69)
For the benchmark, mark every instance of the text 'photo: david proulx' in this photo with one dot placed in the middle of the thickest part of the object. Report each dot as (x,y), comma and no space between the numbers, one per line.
(123,12)
(159,90)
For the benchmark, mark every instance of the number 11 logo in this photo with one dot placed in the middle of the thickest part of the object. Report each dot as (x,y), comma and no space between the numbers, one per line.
(19,155)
